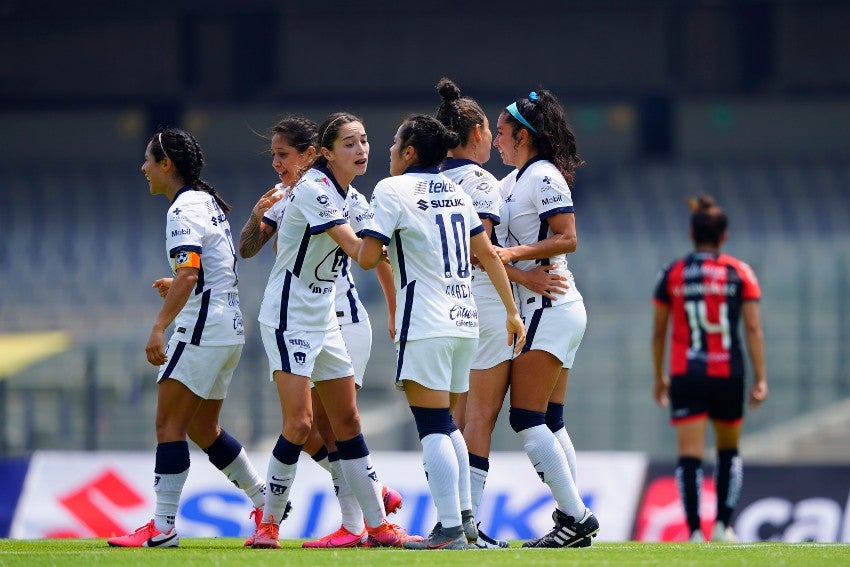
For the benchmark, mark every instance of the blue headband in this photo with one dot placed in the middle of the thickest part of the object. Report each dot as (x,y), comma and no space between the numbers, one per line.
(515,113)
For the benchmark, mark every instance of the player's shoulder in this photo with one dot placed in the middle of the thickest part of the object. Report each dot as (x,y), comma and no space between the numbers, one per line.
(737,264)
(190,203)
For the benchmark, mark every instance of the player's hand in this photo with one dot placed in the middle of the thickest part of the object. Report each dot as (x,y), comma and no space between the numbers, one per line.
(391,326)
(661,391)
(162,286)
(516,332)
(265,203)
(758,394)
(155,348)
(541,280)
(505,254)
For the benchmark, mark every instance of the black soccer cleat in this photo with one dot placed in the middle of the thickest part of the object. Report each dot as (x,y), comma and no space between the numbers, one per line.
(568,532)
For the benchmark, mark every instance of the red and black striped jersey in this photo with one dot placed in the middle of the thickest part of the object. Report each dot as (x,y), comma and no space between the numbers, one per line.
(704,292)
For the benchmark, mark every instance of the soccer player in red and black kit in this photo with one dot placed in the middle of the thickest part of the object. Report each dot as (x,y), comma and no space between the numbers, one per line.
(704,295)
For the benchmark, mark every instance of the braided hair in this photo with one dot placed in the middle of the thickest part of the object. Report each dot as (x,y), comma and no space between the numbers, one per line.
(183,150)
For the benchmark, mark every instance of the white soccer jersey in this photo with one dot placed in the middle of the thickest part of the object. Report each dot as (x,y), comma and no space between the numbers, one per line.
(349,308)
(535,193)
(347,304)
(211,316)
(426,222)
(484,190)
(273,216)
(300,291)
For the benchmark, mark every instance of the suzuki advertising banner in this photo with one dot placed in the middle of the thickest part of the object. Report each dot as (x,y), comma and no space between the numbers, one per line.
(102,494)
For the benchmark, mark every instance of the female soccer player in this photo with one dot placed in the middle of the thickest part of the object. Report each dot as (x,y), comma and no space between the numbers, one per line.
(196,366)
(475,412)
(534,137)
(302,335)
(704,295)
(294,146)
(427,221)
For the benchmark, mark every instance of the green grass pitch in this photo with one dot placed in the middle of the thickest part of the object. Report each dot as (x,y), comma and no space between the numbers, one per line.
(210,552)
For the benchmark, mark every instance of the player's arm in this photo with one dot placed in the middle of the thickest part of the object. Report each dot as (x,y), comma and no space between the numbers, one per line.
(256,233)
(385,278)
(486,254)
(344,236)
(755,348)
(564,240)
(181,288)
(371,252)
(661,386)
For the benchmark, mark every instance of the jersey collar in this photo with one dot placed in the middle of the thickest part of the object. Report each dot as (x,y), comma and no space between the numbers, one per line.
(181,191)
(536,158)
(339,189)
(418,169)
(454,163)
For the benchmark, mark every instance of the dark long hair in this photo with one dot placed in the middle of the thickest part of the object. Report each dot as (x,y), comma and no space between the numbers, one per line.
(708,220)
(553,137)
(429,137)
(183,150)
(458,113)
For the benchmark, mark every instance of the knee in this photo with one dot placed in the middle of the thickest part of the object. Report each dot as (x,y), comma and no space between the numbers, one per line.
(297,428)
(345,427)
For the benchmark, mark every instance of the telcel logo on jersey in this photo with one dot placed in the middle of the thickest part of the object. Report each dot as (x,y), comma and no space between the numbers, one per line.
(440,187)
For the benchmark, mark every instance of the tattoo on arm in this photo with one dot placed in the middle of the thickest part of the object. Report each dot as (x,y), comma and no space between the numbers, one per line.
(251,239)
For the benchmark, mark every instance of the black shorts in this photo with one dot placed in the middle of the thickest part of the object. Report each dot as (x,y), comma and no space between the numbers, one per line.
(719,399)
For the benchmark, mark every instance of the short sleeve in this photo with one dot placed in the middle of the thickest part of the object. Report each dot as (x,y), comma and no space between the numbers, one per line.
(386,212)
(552,196)
(185,229)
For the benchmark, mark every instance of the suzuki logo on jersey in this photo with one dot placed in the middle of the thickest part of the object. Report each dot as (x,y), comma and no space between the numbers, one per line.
(300,358)
(440,203)
(181,232)
(218,219)
(422,204)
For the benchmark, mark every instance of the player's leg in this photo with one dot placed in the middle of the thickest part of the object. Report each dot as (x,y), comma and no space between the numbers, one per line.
(574,324)
(533,377)
(555,420)
(487,390)
(690,435)
(729,477)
